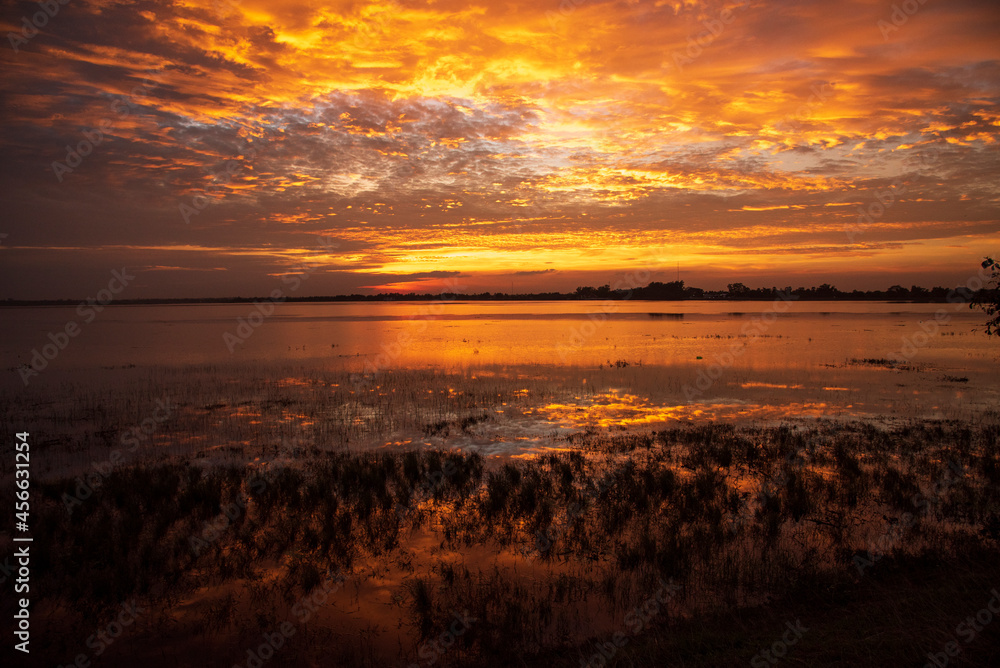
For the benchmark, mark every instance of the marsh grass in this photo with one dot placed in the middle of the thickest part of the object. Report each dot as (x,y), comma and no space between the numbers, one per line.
(287,477)
(546,552)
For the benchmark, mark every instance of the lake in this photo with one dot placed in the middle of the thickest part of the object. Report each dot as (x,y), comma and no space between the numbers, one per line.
(461,334)
(546,466)
(557,366)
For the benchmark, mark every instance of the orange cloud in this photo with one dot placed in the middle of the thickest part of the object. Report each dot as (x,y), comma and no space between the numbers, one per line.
(503,137)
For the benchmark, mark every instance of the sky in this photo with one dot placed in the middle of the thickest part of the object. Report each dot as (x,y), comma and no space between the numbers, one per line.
(215,148)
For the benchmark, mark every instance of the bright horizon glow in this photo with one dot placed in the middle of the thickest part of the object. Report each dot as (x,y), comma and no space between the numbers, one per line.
(543,145)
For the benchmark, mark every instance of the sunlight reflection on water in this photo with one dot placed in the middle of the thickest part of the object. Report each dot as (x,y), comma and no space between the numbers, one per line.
(332,373)
(629,410)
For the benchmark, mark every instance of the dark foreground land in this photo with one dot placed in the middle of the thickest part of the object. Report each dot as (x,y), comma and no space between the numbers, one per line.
(832,544)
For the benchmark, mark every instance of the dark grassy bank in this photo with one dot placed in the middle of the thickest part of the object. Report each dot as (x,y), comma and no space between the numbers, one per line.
(692,546)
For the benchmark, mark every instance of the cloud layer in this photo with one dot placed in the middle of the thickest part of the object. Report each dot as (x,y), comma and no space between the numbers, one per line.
(210,145)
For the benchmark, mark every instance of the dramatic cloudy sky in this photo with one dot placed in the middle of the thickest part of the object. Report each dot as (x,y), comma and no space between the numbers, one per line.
(494,144)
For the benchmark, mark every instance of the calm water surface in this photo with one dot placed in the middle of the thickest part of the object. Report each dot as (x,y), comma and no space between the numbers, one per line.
(609,364)
(461,334)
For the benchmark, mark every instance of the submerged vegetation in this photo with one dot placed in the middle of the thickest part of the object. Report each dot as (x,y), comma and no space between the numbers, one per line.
(542,560)
(498,515)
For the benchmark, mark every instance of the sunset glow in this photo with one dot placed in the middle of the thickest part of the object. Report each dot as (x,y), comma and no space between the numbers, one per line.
(211,145)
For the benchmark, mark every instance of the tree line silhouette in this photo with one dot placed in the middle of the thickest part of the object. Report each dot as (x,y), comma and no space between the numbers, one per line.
(674,290)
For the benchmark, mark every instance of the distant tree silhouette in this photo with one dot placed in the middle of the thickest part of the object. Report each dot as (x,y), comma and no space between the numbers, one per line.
(738,291)
(827,291)
(988,299)
(663,291)
(919,294)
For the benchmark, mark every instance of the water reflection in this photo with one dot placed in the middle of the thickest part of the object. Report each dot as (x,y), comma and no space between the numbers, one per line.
(628,410)
(377,336)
